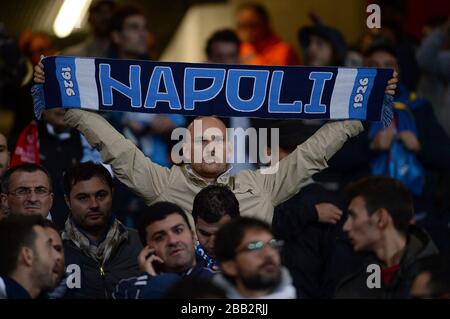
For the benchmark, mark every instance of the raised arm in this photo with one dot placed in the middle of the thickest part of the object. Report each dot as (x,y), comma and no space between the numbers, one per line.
(309,158)
(130,165)
(312,156)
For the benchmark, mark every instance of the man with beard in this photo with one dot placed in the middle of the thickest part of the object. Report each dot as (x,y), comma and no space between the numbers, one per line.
(96,243)
(30,264)
(59,271)
(169,254)
(257,193)
(250,262)
(27,190)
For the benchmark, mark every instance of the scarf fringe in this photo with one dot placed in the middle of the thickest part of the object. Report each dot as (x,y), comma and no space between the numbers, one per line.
(37,92)
(387,112)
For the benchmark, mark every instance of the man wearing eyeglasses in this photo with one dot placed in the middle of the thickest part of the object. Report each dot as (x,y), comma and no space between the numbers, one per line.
(250,262)
(26,189)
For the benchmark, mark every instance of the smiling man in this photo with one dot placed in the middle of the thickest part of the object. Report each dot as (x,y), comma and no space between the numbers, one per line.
(27,190)
(95,242)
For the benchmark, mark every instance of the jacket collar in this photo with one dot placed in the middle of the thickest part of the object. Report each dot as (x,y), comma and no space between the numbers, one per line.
(224,178)
(418,245)
(14,290)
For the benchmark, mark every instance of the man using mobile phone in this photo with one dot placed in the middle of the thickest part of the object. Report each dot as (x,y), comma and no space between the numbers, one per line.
(168,256)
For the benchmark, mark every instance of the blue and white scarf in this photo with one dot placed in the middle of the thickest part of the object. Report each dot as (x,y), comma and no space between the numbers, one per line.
(214,89)
(205,259)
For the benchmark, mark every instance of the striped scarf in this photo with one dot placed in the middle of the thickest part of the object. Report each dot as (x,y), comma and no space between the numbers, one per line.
(117,233)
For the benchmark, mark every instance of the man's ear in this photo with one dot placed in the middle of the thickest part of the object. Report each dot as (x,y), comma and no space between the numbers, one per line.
(27,256)
(66,199)
(229,268)
(382,218)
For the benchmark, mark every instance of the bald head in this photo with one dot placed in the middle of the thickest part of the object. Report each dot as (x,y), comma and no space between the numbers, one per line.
(209,142)
(208,122)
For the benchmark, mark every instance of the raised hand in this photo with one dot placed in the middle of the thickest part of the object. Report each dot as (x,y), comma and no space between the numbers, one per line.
(392,84)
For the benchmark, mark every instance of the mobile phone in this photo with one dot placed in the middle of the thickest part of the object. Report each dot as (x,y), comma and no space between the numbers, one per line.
(157,266)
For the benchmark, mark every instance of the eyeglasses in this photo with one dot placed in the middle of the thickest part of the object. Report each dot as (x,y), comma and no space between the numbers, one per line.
(26,191)
(259,245)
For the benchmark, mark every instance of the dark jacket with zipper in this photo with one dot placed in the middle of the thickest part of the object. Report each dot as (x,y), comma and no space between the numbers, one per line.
(99,282)
(419,246)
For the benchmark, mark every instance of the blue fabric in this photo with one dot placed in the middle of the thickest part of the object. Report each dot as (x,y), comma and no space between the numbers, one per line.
(14,290)
(203,258)
(399,162)
(213,89)
(155,287)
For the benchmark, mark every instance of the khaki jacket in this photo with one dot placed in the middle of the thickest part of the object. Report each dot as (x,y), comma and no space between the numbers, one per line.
(257,193)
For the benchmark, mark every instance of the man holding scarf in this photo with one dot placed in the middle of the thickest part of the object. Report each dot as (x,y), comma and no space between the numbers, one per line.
(256,192)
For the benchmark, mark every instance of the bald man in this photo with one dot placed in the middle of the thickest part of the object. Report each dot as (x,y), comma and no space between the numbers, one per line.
(256,192)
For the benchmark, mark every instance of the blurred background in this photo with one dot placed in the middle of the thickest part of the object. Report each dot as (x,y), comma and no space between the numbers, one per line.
(178,29)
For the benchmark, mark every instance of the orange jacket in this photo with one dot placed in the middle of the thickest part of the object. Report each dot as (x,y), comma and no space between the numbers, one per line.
(271,51)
